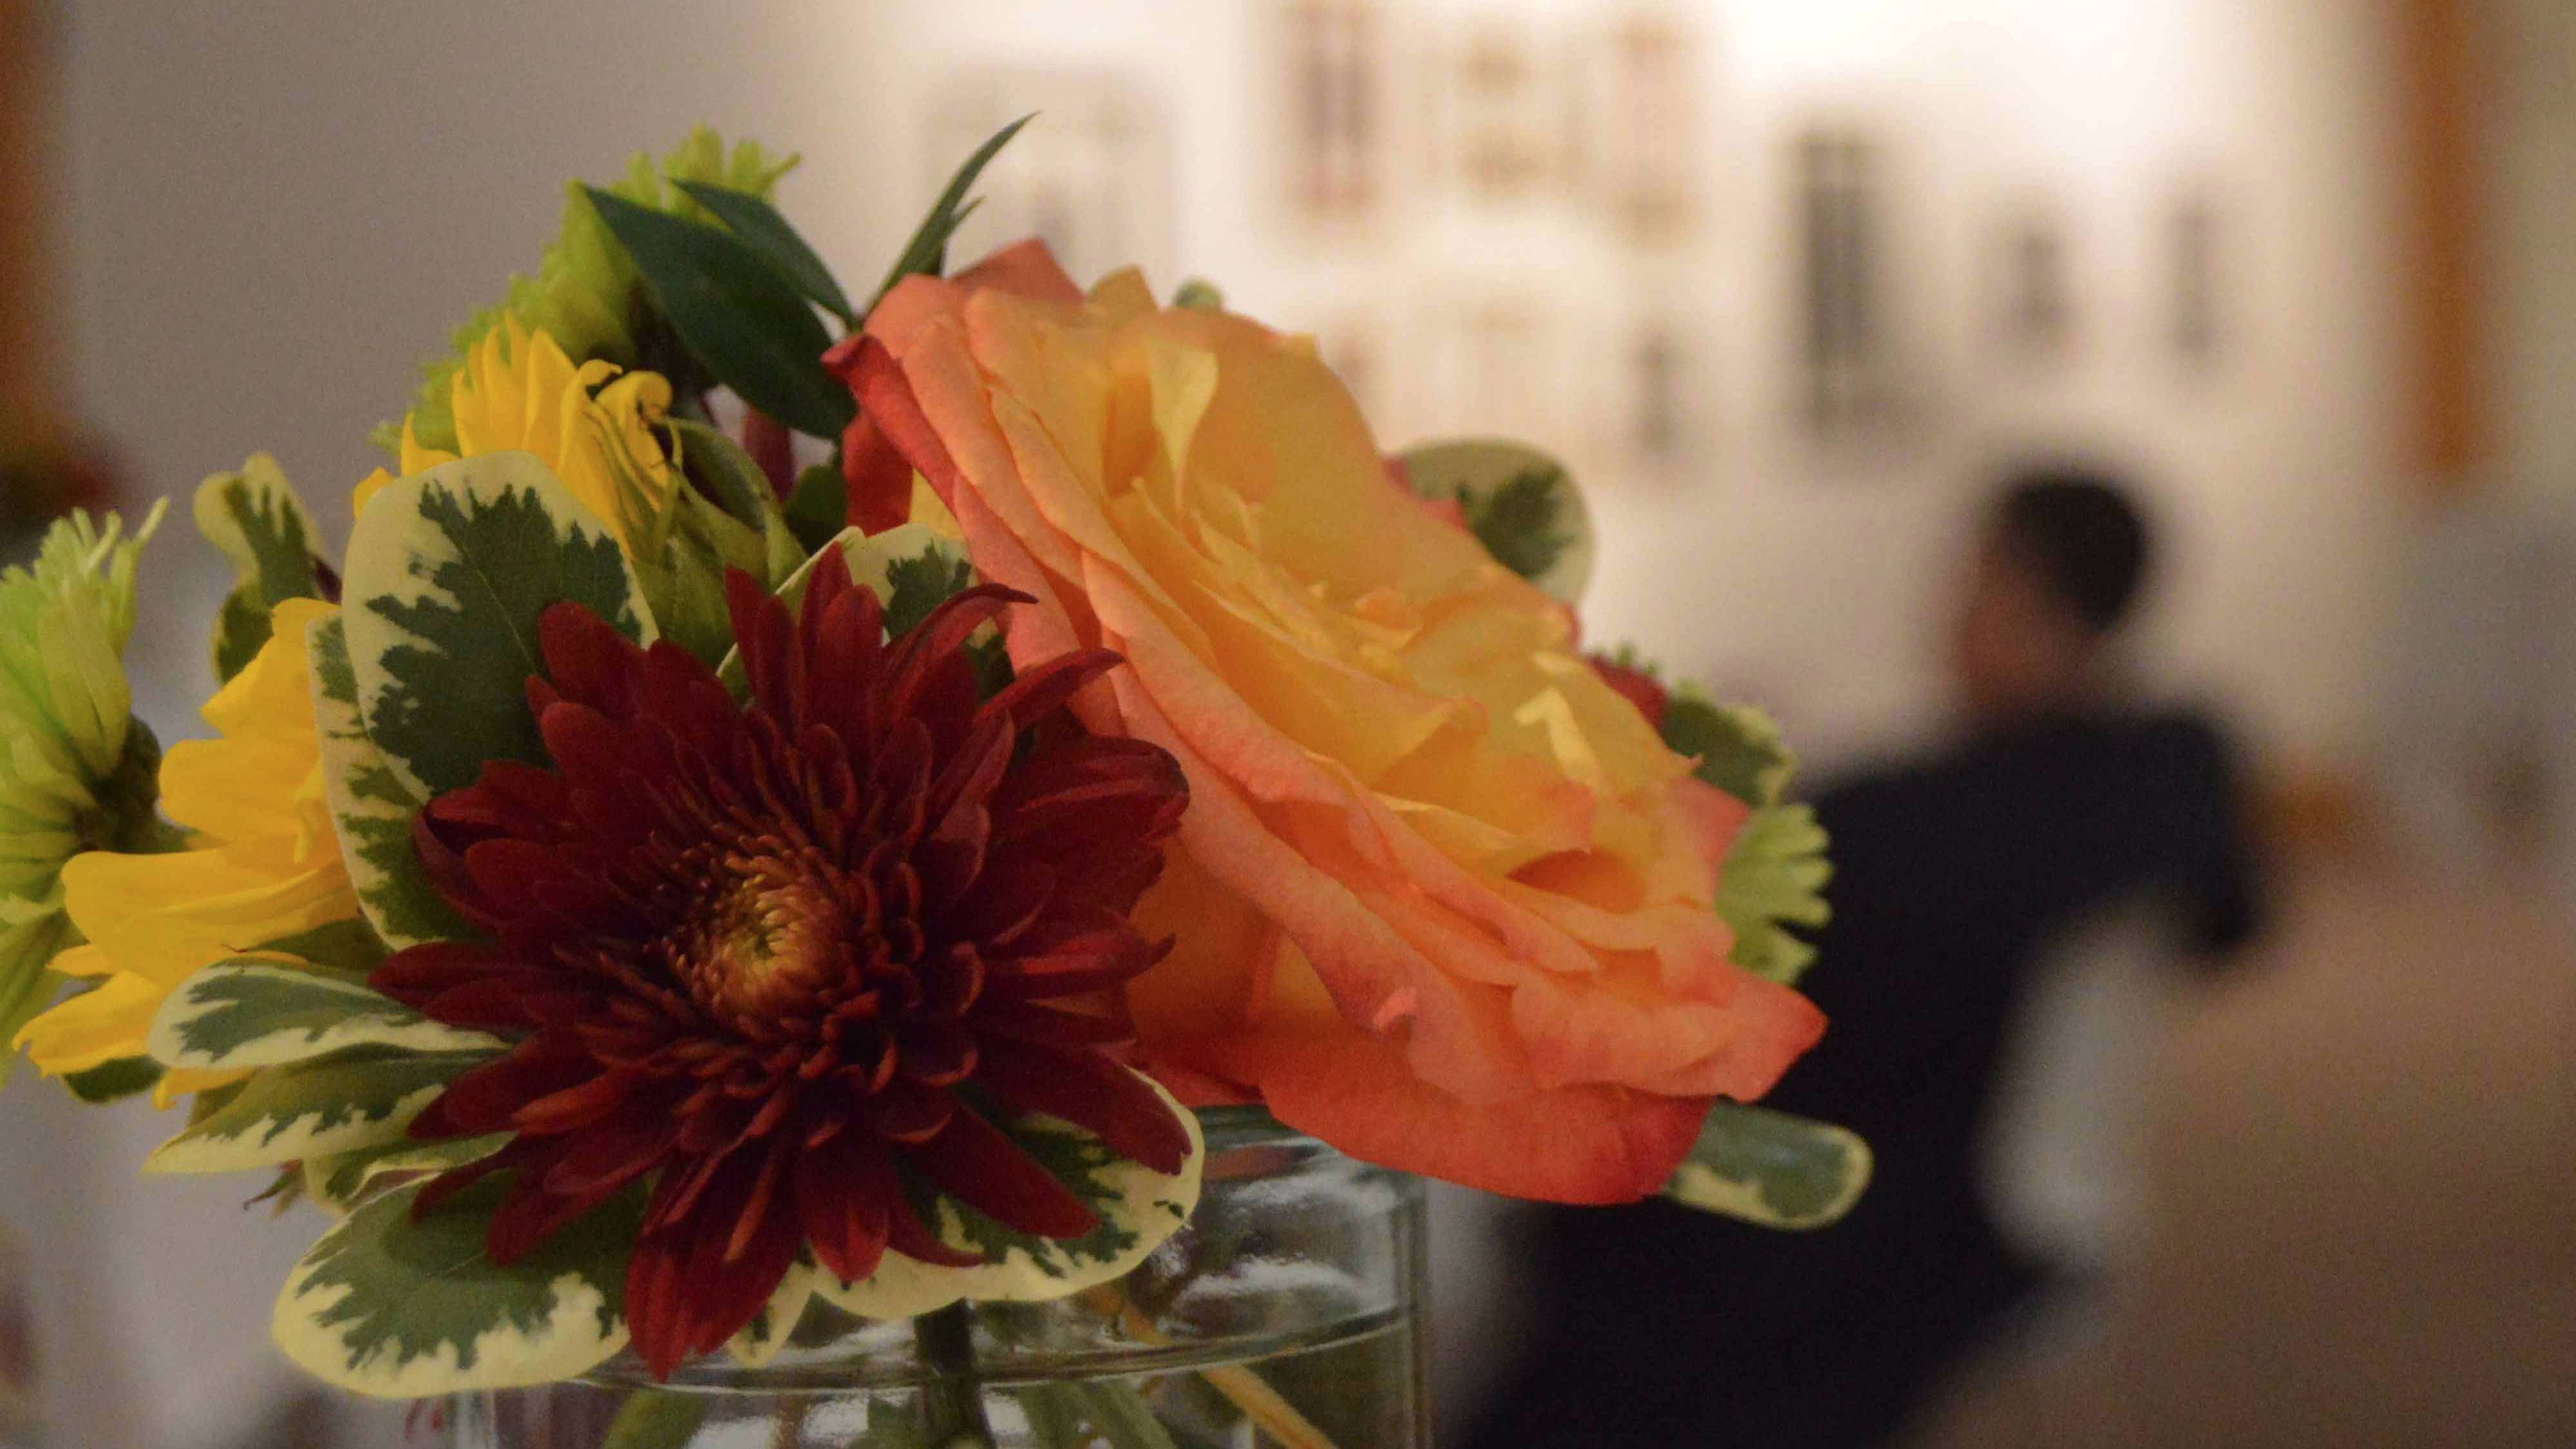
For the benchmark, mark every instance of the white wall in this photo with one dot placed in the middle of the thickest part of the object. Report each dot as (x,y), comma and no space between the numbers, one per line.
(267,211)
(1812,580)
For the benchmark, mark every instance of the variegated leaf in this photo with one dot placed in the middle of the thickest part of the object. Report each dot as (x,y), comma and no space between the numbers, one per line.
(879,563)
(1772,1169)
(399,1307)
(1138,1208)
(371,807)
(768,1331)
(252,1014)
(254,519)
(338,1182)
(1519,502)
(449,571)
(360,1098)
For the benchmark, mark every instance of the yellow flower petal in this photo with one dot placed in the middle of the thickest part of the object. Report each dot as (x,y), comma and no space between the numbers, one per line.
(93,1028)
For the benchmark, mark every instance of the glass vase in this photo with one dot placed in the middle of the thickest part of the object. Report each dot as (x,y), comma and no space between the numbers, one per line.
(1288,1312)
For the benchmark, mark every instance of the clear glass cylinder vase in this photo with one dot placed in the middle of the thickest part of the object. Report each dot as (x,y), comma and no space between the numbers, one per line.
(1288,1312)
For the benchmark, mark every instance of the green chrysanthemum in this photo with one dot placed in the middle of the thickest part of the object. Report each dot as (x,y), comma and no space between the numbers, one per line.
(1774,875)
(76,771)
(584,292)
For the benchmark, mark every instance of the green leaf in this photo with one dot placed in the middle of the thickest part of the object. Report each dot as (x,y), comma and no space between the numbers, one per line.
(448,573)
(819,508)
(371,808)
(114,1081)
(1772,1169)
(1138,1209)
(1520,503)
(920,584)
(1775,871)
(735,483)
(338,1181)
(747,326)
(1199,294)
(765,231)
(874,560)
(403,1308)
(685,585)
(656,1419)
(254,519)
(927,253)
(246,1013)
(1739,749)
(1774,876)
(359,1098)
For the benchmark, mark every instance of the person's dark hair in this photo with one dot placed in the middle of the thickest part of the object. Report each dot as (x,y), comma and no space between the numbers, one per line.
(2079,531)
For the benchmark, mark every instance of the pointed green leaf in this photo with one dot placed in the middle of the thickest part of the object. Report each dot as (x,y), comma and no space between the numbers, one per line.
(926,254)
(254,519)
(247,1013)
(449,571)
(764,230)
(1519,502)
(360,1098)
(1772,1169)
(1138,1208)
(686,584)
(340,1180)
(748,327)
(403,1308)
(737,486)
(371,807)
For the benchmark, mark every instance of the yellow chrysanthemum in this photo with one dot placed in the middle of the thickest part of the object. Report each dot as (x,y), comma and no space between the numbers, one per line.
(519,392)
(263,864)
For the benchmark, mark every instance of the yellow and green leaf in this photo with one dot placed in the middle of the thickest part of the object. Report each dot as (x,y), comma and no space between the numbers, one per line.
(910,568)
(1520,503)
(449,571)
(1138,1209)
(399,1307)
(340,1181)
(1772,1169)
(254,519)
(247,1013)
(371,807)
(359,1098)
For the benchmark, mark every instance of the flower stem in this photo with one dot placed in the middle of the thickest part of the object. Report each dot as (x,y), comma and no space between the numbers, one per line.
(952,1402)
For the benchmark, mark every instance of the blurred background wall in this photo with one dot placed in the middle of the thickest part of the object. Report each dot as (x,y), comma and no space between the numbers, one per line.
(1779,280)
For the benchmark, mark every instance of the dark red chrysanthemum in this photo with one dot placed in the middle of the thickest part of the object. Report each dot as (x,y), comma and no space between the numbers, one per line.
(750,952)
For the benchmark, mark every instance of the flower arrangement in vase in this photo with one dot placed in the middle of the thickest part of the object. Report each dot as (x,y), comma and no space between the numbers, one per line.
(680,912)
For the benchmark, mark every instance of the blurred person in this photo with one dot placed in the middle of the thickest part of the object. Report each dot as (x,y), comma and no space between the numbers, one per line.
(2355,1219)
(1954,875)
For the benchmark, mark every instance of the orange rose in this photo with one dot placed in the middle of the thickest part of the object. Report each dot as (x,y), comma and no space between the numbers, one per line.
(1442,897)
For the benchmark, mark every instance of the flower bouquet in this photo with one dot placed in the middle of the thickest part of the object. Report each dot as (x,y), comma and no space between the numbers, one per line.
(916,870)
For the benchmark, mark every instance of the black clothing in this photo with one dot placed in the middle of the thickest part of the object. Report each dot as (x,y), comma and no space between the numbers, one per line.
(1950,879)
